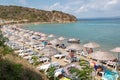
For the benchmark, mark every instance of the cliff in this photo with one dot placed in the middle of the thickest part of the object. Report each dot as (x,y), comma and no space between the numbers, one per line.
(34,15)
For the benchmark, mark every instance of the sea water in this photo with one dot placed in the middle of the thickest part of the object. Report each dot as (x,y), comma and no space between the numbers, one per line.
(105,32)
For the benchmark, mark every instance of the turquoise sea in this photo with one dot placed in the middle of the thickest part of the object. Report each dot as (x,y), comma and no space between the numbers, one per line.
(105,32)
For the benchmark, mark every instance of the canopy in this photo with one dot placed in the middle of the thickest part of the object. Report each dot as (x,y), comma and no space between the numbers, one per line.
(61,38)
(102,55)
(55,41)
(51,35)
(43,35)
(75,47)
(91,45)
(43,38)
(49,51)
(117,49)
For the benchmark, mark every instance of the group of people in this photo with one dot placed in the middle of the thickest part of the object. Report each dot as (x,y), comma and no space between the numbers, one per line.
(88,50)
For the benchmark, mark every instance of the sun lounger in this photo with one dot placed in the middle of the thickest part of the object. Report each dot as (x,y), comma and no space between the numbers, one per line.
(45,67)
(27,57)
(58,72)
(44,59)
(21,54)
(31,61)
(84,54)
(73,41)
(111,63)
(67,60)
(70,60)
(59,56)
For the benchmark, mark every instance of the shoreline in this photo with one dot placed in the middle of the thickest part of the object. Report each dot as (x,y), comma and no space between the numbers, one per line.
(27,23)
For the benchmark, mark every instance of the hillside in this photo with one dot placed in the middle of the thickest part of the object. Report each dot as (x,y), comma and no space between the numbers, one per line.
(34,15)
(15,68)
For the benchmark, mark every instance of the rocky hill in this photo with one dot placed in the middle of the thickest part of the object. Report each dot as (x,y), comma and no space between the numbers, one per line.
(34,15)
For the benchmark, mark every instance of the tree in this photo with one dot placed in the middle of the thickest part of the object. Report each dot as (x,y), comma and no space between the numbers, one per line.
(4,49)
(2,39)
(35,60)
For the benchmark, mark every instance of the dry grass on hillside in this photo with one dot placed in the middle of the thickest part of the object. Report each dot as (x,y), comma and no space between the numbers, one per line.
(26,66)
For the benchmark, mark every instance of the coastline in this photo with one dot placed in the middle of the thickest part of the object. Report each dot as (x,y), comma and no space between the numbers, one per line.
(35,23)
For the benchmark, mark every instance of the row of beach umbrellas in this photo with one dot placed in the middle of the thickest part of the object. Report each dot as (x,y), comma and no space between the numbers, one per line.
(60,38)
(103,55)
(99,55)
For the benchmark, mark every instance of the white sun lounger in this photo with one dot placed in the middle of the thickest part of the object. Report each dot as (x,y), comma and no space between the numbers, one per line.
(47,66)
(59,56)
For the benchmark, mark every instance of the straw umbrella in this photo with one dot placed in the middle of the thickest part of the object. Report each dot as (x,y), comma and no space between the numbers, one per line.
(91,45)
(12,38)
(117,50)
(55,41)
(51,36)
(43,38)
(21,33)
(61,38)
(23,40)
(75,47)
(102,55)
(43,35)
(27,30)
(49,51)
(36,33)
(73,40)
(26,35)
(31,32)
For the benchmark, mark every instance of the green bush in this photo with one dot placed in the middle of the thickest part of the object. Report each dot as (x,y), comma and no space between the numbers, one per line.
(10,71)
(13,71)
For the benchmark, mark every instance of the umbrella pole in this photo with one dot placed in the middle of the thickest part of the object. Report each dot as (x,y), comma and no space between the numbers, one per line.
(118,62)
(50,61)
(23,45)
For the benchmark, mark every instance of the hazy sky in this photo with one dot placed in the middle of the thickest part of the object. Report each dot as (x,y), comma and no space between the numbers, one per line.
(79,8)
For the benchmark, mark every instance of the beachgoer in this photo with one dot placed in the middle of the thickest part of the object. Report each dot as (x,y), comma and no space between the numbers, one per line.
(90,50)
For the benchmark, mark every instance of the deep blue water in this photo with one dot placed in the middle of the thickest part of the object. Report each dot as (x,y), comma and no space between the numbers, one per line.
(105,32)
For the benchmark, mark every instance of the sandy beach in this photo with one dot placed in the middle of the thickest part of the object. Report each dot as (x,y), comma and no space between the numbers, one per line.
(30,40)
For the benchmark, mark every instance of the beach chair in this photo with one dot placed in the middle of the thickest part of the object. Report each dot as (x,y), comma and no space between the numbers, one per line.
(111,63)
(85,54)
(45,67)
(59,56)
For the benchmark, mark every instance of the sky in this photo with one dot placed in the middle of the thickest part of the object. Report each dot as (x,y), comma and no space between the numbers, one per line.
(78,8)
